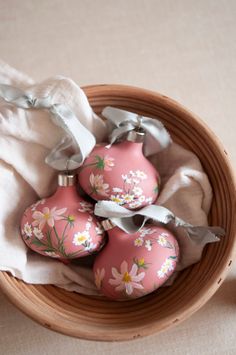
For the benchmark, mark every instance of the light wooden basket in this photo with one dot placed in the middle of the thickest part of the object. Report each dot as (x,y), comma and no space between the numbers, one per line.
(101,319)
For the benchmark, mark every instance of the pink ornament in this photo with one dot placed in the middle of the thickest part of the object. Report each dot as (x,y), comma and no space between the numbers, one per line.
(62,226)
(121,174)
(133,265)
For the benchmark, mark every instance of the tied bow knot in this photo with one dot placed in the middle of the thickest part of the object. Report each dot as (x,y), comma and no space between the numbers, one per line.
(121,122)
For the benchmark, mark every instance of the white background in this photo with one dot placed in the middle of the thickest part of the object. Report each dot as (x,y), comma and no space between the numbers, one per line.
(185,49)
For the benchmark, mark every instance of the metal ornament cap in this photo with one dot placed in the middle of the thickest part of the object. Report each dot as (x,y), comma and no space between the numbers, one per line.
(67,179)
(136,136)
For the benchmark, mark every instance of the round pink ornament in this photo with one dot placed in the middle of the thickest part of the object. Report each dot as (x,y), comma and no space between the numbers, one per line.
(121,173)
(62,226)
(133,265)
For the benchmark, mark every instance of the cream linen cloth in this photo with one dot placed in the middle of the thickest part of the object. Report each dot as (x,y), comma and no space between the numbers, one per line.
(26,138)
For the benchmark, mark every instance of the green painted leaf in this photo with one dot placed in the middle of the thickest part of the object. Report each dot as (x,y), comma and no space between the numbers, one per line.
(38,242)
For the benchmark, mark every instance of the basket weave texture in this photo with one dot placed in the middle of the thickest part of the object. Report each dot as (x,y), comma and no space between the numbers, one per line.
(101,319)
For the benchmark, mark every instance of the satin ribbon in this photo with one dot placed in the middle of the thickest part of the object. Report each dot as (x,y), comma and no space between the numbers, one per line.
(127,221)
(121,122)
(78,139)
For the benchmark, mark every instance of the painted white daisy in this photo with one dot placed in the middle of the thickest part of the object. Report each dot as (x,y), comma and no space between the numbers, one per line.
(149,200)
(138,242)
(141,175)
(135,181)
(165,268)
(148,244)
(137,191)
(81,237)
(132,173)
(127,198)
(162,240)
(141,198)
(146,231)
(117,199)
(52,254)
(38,233)
(27,229)
(117,189)
(135,204)
(87,226)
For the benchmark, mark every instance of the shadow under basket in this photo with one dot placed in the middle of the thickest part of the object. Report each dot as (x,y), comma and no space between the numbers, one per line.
(101,319)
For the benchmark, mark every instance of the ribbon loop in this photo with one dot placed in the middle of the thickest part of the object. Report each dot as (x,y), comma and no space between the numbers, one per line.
(120,122)
(78,139)
(124,219)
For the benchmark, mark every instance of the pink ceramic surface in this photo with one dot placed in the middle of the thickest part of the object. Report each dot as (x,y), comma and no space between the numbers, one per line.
(133,265)
(120,173)
(62,226)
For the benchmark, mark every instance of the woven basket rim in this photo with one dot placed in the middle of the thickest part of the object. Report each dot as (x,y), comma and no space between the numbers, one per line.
(205,293)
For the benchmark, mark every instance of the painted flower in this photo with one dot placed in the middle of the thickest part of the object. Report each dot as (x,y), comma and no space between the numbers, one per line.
(128,198)
(141,198)
(126,280)
(126,179)
(136,181)
(99,276)
(117,189)
(137,191)
(149,200)
(148,244)
(162,240)
(85,207)
(87,226)
(40,202)
(132,173)
(108,163)
(89,245)
(135,204)
(138,242)
(104,163)
(117,199)
(81,237)
(27,230)
(38,233)
(165,268)
(141,263)
(145,231)
(47,217)
(70,220)
(52,254)
(98,185)
(140,174)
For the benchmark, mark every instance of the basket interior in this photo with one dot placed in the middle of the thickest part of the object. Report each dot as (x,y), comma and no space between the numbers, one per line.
(102,319)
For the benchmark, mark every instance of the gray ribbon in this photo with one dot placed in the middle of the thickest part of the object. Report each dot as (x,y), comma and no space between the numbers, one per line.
(127,221)
(78,139)
(120,122)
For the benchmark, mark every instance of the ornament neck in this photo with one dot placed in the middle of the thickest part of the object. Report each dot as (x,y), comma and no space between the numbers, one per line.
(138,147)
(137,135)
(66,179)
(67,192)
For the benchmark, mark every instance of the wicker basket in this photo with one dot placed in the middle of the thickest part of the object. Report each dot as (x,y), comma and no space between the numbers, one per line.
(100,319)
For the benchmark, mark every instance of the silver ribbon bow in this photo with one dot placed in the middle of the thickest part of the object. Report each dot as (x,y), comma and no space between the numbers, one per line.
(127,221)
(120,122)
(78,140)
